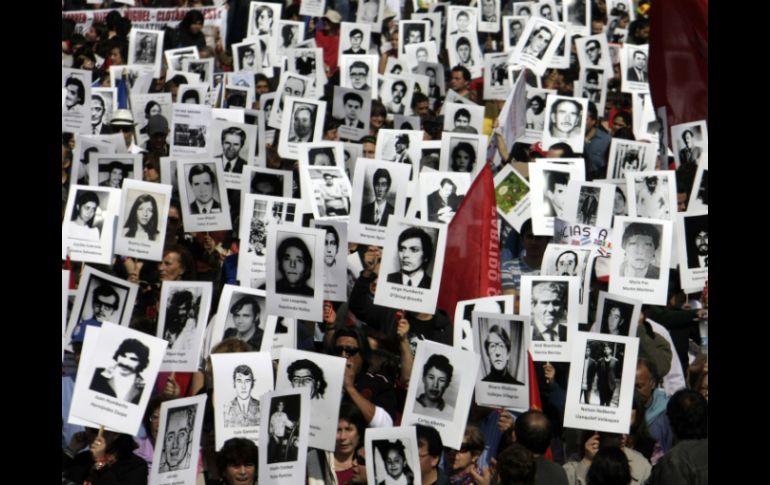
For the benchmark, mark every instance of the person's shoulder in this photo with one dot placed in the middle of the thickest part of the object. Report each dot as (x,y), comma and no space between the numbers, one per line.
(394,277)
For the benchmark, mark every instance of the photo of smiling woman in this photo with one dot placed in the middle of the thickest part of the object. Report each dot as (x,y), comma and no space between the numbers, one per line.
(295,268)
(142,222)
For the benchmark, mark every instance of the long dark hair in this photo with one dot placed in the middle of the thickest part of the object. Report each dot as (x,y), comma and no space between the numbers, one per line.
(132,223)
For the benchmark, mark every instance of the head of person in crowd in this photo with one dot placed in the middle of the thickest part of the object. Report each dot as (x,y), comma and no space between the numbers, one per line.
(647,379)
(237,461)
(177,264)
(609,466)
(461,461)
(352,344)
(533,430)
(688,415)
(123,121)
(351,426)
(430,448)
(359,464)
(460,78)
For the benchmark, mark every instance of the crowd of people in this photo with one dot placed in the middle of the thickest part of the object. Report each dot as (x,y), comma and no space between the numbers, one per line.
(667,442)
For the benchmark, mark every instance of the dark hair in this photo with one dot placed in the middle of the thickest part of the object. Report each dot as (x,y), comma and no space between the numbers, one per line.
(432,438)
(500,332)
(246,300)
(234,130)
(651,367)
(467,148)
(244,370)
(609,467)
(516,465)
(554,177)
(462,112)
(199,169)
(185,259)
(440,362)
(363,343)
(398,447)
(462,41)
(350,413)
(98,98)
(564,147)
(382,173)
(107,291)
(402,83)
(686,132)
(641,229)
(315,371)
(577,105)
(352,96)
(425,240)
(333,231)
(356,32)
(191,94)
(592,111)
(237,451)
(132,223)
(567,252)
(84,197)
(688,414)
(592,41)
(448,181)
(132,345)
(623,328)
(184,297)
(298,243)
(464,71)
(80,87)
(147,107)
(270,178)
(533,430)
(191,17)
(359,64)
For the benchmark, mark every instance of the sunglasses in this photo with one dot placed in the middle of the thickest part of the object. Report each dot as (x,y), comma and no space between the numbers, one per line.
(351,351)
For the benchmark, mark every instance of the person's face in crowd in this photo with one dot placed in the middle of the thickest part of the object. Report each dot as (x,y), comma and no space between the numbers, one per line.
(265,21)
(640,60)
(359,466)
(245,319)
(171,268)
(427,462)
(248,58)
(462,161)
(644,382)
(329,180)
(462,22)
(435,382)
(196,27)
(415,36)
(547,308)
(369,149)
(541,40)
(87,211)
(702,242)
(294,87)
(411,255)
(462,458)
(243,386)
(262,87)
(464,52)
(177,439)
(592,51)
(203,187)
(330,248)
(303,378)
(116,57)
(104,307)
(566,117)
(398,92)
(347,437)
(352,109)
(155,423)
(144,213)
(97,109)
(381,187)
(127,363)
(567,265)
(322,159)
(302,123)
(355,362)
(446,190)
(232,146)
(394,464)
(293,265)
(613,320)
(497,352)
(639,251)
(618,123)
(243,474)
(72,97)
(457,81)
(358,77)
(355,41)
(462,121)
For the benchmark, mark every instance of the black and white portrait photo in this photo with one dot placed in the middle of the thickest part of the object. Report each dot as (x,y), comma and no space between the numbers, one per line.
(464,50)
(503,344)
(76,116)
(202,189)
(461,152)
(335,260)
(441,194)
(266,181)
(413,32)
(537,44)
(145,47)
(396,94)
(489,16)
(354,38)
(548,192)
(330,188)
(302,122)
(143,219)
(290,84)
(633,66)
(462,118)
(241,314)
(179,433)
(262,18)
(693,240)
(391,459)
(294,273)
(359,72)
(570,260)
(513,27)
(103,102)
(593,52)
(240,379)
(616,315)
(379,193)
(565,121)
(552,302)
(205,206)
(182,319)
(283,429)
(690,142)
(202,67)
(641,259)
(247,56)
(118,374)
(601,382)
(288,35)
(88,212)
(111,169)
(175,57)
(351,109)
(322,376)
(630,156)
(652,195)
(441,389)
(284,438)
(463,333)
(415,256)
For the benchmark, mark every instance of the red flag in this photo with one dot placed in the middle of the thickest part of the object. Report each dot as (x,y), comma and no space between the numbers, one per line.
(534,395)
(678,63)
(472,255)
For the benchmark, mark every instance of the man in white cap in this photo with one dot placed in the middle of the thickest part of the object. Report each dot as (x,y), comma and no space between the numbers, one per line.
(327,37)
(123,121)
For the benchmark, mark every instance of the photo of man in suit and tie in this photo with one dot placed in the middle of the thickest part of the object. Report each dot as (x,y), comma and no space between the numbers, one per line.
(415,254)
(233,140)
(377,212)
(549,311)
(203,182)
(638,70)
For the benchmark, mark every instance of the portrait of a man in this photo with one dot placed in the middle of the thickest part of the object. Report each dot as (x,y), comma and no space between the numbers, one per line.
(549,311)
(303,123)
(402,149)
(697,241)
(497,347)
(436,378)
(352,103)
(640,243)
(443,203)
(463,48)
(593,52)
(76,93)
(105,302)
(306,373)
(116,172)
(123,380)
(283,432)
(178,439)
(359,76)
(616,318)
(336,200)
(295,267)
(652,197)
(538,42)
(98,126)
(379,210)
(567,263)
(415,254)
(243,410)
(462,121)
(180,324)
(356,39)
(396,103)
(245,314)
(515,29)
(566,116)
(555,194)
(331,245)
(203,182)
(233,140)
(638,70)
(689,153)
